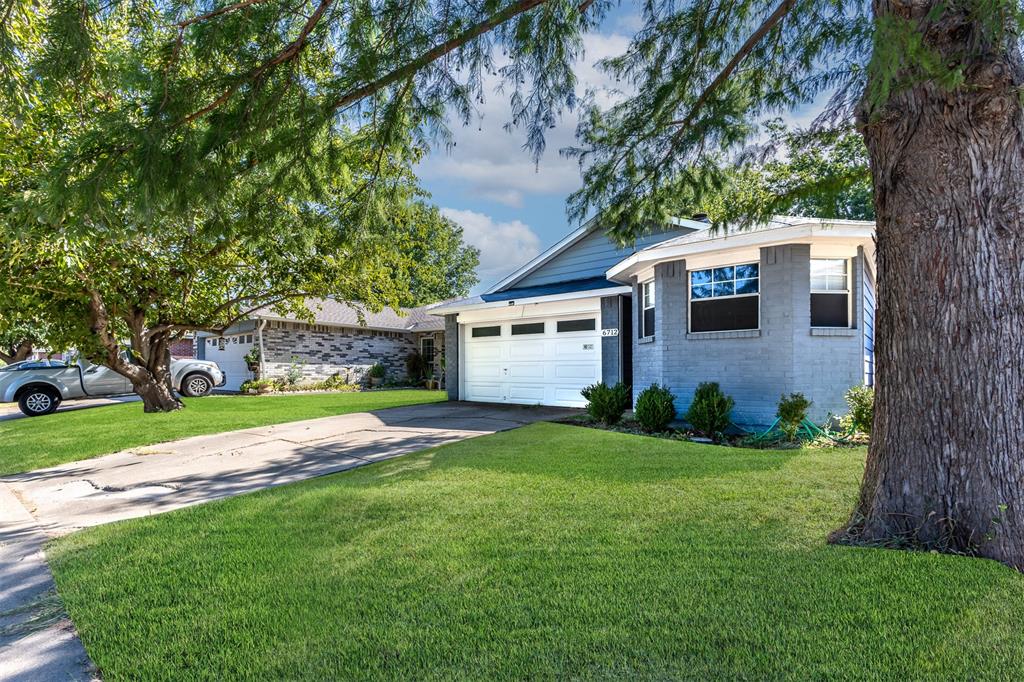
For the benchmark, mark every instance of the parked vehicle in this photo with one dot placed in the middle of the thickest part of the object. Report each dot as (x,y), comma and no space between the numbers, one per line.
(39,386)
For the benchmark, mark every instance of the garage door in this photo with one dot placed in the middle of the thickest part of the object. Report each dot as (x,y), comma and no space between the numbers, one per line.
(532,361)
(229,354)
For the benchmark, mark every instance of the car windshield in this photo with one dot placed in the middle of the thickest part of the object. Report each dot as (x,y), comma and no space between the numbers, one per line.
(33,364)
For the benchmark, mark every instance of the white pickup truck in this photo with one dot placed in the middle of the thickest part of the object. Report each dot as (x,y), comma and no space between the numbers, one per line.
(39,386)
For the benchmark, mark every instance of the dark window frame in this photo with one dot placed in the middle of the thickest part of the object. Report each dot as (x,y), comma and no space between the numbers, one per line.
(486,331)
(532,328)
(648,299)
(591,320)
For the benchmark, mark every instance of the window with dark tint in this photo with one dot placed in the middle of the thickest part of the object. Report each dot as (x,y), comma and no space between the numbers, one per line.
(830,292)
(725,299)
(577,325)
(486,331)
(647,310)
(528,328)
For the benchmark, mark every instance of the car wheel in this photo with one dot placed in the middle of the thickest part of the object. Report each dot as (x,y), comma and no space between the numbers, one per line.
(196,385)
(35,402)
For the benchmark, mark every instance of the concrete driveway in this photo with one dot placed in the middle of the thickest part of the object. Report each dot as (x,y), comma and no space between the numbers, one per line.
(38,642)
(10,410)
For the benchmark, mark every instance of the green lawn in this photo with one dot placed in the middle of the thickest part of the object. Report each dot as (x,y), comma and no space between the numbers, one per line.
(27,444)
(548,552)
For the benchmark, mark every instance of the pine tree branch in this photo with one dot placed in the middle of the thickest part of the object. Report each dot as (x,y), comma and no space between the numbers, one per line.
(288,53)
(435,53)
(748,46)
(217,12)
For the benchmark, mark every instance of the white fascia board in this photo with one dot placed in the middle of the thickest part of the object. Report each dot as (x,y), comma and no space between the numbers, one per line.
(488,305)
(805,233)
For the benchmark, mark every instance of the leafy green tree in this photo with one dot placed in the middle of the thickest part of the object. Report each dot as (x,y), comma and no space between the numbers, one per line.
(213,90)
(811,173)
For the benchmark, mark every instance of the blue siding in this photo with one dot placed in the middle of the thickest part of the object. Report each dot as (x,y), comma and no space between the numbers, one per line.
(869,327)
(590,257)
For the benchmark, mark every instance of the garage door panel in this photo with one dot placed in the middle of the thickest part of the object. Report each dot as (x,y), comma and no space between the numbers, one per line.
(576,371)
(482,352)
(483,371)
(533,370)
(526,393)
(569,396)
(526,350)
(484,392)
(578,349)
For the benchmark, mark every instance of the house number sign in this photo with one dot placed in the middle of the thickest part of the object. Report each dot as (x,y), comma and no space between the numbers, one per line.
(609,332)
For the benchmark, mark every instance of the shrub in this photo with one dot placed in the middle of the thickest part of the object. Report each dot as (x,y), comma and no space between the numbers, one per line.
(655,408)
(709,411)
(256,385)
(606,403)
(415,365)
(792,412)
(377,371)
(861,400)
(294,373)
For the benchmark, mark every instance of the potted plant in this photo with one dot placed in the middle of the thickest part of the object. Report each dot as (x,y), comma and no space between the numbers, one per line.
(252,361)
(376,374)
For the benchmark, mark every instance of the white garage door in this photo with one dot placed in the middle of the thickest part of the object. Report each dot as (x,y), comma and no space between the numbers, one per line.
(532,361)
(229,354)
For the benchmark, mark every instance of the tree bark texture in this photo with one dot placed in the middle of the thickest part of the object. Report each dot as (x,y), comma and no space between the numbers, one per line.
(945,467)
(149,367)
(16,353)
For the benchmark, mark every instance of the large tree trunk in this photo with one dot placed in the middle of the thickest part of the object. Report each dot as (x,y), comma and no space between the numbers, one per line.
(16,353)
(945,468)
(149,368)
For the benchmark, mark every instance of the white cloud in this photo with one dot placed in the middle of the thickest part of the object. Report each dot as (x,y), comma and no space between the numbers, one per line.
(492,163)
(503,246)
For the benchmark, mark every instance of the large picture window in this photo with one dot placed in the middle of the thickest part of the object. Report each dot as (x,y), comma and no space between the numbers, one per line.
(647,309)
(830,292)
(725,298)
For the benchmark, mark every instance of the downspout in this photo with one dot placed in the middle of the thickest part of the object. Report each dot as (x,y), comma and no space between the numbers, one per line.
(259,340)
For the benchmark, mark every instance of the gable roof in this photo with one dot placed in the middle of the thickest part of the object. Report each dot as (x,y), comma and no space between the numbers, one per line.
(345,314)
(565,244)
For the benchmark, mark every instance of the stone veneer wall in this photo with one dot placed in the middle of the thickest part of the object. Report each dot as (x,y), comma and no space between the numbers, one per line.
(754,367)
(325,351)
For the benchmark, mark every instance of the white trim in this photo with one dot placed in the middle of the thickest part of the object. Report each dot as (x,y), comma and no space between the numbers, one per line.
(848,276)
(855,233)
(551,298)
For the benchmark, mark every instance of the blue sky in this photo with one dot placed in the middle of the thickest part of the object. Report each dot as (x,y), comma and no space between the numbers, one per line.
(510,208)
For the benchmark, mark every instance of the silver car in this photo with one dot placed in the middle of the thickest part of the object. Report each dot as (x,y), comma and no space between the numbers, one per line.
(39,386)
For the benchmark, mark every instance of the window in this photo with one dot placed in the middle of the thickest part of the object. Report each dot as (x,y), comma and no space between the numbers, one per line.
(528,328)
(479,332)
(647,309)
(427,349)
(830,292)
(725,299)
(586,325)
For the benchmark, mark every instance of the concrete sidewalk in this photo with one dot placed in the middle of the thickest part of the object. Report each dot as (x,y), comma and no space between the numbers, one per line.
(159,478)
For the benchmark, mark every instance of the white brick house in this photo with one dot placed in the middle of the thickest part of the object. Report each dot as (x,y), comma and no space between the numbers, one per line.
(336,343)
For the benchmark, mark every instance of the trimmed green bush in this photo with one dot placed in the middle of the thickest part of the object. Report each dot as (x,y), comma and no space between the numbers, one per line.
(377,371)
(861,400)
(709,412)
(792,412)
(606,403)
(655,408)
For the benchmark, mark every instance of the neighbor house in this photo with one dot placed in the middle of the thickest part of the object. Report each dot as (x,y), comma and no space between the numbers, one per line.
(786,307)
(337,342)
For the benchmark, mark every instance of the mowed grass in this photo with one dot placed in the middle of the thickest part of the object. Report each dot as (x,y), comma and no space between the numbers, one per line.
(27,444)
(547,552)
